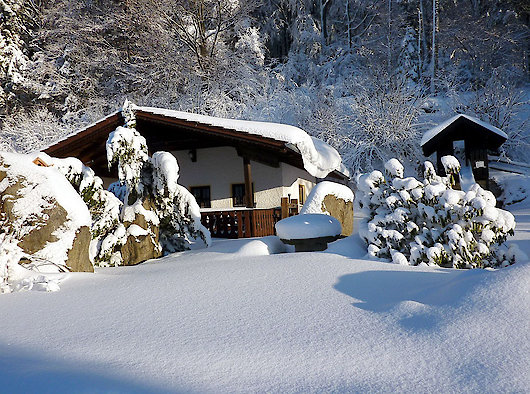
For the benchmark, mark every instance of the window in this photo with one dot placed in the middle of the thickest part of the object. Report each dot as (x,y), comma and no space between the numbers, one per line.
(202,196)
(238,194)
(301,194)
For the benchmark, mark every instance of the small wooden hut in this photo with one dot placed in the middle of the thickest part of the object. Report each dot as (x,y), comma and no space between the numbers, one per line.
(468,139)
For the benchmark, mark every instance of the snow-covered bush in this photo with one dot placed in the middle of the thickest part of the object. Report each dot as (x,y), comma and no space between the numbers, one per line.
(105,208)
(179,213)
(154,179)
(413,222)
(31,130)
(128,149)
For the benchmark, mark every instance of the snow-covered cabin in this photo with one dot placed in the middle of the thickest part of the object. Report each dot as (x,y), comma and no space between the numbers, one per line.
(228,165)
(467,138)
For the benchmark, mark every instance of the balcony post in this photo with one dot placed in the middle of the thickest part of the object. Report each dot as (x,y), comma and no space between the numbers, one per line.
(249,196)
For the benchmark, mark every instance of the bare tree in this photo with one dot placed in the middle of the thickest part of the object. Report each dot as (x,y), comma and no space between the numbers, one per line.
(202,26)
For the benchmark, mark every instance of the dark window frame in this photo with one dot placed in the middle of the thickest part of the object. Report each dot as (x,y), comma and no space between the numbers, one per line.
(202,201)
(242,202)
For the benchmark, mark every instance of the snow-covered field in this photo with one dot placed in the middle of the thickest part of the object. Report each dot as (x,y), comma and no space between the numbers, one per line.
(234,319)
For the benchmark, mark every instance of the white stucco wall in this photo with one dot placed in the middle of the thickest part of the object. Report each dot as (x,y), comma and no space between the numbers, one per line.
(292,177)
(221,167)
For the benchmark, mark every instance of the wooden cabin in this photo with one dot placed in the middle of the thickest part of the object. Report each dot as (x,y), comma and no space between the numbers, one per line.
(244,175)
(468,139)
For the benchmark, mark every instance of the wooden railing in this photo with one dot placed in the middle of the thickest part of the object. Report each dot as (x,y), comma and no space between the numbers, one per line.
(244,223)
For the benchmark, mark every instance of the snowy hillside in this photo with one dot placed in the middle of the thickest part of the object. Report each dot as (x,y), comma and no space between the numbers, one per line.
(234,319)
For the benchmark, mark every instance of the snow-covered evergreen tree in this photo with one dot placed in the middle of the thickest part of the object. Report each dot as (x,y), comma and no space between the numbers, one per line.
(154,179)
(107,228)
(413,222)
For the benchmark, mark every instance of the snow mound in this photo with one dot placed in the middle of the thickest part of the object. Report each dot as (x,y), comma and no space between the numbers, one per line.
(311,225)
(515,187)
(262,247)
(319,158)
(211,321)
(314,201)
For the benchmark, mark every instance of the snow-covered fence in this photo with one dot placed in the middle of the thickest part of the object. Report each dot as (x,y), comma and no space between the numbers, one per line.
(241,223)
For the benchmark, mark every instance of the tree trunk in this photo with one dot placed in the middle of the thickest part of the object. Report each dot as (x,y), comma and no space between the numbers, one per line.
(324,7)
(434,57)
(348,23)
(389,38)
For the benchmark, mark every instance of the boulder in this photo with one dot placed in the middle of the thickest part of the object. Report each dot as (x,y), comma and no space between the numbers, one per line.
(142,233)
(41,209)
(341,210)
(78,255)
(332,199)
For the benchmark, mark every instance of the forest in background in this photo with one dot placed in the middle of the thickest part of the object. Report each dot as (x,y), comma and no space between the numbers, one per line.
(369,77)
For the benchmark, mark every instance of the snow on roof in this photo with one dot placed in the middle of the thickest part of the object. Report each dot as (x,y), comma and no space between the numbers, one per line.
(319,158)
(430,134)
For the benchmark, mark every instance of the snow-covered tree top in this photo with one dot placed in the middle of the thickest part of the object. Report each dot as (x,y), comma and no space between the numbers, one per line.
(430,134)
(319,158)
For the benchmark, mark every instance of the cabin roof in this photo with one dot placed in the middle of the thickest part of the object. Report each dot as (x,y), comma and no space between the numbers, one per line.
(462,127)
(176,130)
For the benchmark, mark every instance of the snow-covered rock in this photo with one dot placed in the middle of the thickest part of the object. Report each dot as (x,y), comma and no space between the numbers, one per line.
(332,199)
(43,218)
(142,233)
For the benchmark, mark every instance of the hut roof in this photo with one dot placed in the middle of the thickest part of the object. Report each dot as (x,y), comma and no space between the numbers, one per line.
(462,127)
(176,130)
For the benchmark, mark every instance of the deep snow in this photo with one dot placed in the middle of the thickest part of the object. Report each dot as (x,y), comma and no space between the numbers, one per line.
(232,319)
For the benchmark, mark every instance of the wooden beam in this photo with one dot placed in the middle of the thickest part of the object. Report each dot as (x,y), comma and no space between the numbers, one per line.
(206,129)
(249,196)
(97,132)
(263,156)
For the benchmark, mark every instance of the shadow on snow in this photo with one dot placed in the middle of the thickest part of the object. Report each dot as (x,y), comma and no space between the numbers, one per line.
(412,297)
(22,371)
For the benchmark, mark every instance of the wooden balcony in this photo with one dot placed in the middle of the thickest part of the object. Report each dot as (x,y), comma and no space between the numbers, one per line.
(241,223)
